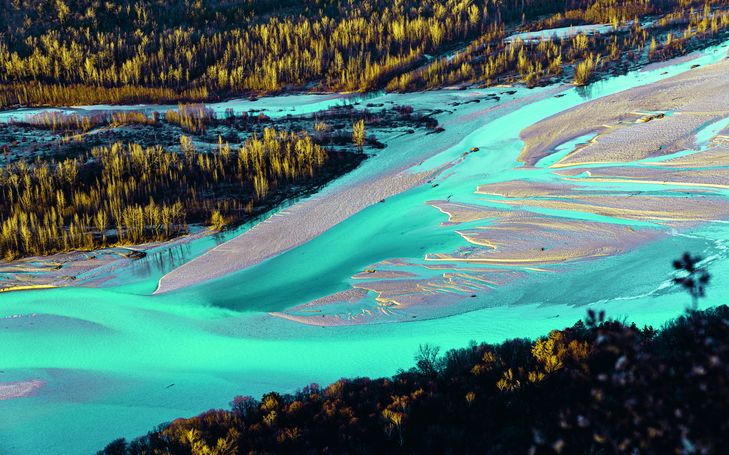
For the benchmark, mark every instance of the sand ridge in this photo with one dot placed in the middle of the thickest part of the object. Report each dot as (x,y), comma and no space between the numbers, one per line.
(382,177)
(644,177)
(692,98)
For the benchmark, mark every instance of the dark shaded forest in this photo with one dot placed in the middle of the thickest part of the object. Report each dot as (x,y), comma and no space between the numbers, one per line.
(598,387)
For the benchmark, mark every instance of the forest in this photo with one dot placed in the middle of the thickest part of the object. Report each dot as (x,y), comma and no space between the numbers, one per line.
(61,52)
(631,390)
(128,194)
(637,33)
(71,181)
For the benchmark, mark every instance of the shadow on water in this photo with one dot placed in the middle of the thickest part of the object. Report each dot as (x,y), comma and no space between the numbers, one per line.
(586,92)
(403,227)
(324,265)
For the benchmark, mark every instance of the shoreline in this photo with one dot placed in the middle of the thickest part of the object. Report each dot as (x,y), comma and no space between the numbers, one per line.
(566,212)
(111,355)
(308,219)
(79,268)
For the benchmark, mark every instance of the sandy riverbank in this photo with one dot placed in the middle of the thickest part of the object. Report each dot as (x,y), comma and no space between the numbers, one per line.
(643,178)
(628,124)
(380,180)
(79,268)
(19,389)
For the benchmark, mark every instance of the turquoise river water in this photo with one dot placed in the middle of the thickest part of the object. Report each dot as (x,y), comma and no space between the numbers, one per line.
(116,361)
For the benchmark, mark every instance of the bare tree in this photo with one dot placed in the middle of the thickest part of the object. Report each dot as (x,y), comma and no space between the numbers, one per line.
(426,358)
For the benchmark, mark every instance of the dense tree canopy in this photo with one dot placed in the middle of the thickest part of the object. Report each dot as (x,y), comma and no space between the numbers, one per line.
(597,387)
(65,52)
(129,194)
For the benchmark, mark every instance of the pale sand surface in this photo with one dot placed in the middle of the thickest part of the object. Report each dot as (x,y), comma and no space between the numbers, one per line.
(632,206)
(464,213)
(712,177)
(77,268)
(523,189)
(374,273)
(531,239)
(56,270)
(19,389)
(701,92)
(661,136)
(563,214)
(716,156)
(400,299)
(307,219)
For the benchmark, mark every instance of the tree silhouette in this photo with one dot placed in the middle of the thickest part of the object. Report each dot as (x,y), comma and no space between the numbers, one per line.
(426,359)
(692,277)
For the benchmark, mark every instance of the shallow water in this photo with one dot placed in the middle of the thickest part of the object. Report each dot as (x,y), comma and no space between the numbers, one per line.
(116,361)
(273,107)
(560,33)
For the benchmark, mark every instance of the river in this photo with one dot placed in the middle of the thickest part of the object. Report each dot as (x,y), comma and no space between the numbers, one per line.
(115,361)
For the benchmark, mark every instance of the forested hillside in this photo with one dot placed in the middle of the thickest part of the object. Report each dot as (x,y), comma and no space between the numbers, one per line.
(69,52)
(599,387)
(130,194)
(87,181)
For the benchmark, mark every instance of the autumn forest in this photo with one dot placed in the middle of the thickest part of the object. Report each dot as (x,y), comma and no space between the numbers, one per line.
(600,386)
(222,204)
(62,52)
